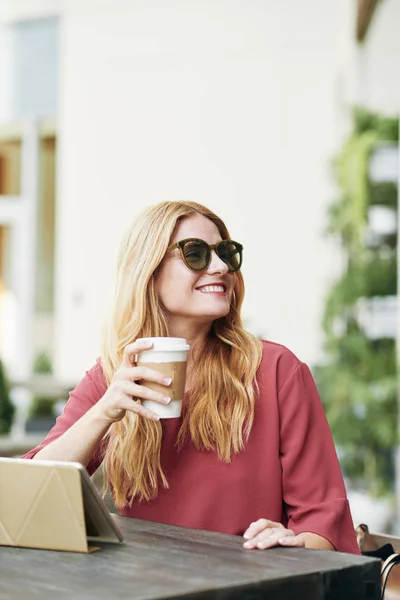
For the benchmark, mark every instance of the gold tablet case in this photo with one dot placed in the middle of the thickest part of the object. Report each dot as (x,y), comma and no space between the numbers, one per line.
(42,506)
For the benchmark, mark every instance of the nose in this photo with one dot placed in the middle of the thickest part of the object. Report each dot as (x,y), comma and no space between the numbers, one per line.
(217,266)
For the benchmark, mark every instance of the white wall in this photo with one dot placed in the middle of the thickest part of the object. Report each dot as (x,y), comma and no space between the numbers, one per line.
(232,104)
(239,105)
(382,59)
(19,10)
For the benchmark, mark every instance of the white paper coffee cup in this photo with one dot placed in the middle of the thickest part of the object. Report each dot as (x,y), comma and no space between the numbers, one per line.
(169,356)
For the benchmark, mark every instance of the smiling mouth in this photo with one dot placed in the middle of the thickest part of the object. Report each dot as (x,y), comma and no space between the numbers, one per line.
(212,289)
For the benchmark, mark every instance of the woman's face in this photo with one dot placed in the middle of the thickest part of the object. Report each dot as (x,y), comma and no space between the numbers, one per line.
(186,294)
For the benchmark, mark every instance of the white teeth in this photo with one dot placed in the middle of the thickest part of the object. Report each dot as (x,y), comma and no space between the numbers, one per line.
(212,288)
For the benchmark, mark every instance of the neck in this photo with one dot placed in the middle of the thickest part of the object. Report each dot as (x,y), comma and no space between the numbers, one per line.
(193,332)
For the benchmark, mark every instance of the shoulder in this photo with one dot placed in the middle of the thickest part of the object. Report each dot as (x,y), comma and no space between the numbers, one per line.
(279,353)
(289,380)
(278,362)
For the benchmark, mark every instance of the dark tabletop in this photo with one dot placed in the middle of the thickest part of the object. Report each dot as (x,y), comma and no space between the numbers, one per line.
(164,561)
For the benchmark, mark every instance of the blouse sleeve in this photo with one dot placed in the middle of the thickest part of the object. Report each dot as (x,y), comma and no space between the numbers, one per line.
(88,391)
(313,489)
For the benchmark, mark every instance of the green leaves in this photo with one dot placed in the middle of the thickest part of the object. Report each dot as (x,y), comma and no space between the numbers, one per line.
(383,193)
(386,128)
(347,217)
(7,409)
(359,382)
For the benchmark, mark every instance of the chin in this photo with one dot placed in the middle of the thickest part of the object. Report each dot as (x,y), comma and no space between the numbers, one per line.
(213,316)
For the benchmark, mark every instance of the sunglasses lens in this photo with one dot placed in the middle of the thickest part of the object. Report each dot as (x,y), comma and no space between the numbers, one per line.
(231,254)
(196,254)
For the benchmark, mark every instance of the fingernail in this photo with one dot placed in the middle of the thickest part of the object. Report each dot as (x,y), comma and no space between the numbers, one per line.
(260,545)
(246,535)
(166,399)
(247,545)
(167,380)
(155,417)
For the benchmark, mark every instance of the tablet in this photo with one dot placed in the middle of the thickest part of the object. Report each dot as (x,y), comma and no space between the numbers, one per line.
(52,505)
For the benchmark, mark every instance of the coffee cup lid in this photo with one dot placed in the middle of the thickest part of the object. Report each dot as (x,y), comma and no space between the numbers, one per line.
(163,344)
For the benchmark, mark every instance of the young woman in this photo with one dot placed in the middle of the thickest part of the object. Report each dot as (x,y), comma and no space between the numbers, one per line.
(252,454)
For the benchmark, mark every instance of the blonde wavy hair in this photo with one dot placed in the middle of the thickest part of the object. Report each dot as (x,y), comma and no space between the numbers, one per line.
(220,411)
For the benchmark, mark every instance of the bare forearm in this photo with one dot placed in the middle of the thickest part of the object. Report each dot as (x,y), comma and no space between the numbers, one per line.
(317,542)
(79,442)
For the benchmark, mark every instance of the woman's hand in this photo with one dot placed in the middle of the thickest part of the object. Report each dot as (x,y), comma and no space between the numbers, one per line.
(124,388)
(264,534)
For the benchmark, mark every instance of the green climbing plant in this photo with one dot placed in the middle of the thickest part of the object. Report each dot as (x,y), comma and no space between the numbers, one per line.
(42,406)
(358,382)
(7,408)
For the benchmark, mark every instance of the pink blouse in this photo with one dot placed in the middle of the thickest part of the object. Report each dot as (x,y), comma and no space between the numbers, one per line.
(288,472)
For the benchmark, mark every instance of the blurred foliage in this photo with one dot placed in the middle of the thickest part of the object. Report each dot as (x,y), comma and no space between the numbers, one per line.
(358,383)
(7,408)
(384,193)
(42,364)
(386,128)
(42,406)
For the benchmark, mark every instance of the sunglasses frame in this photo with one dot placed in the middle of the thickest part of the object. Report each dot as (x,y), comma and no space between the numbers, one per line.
(211,247)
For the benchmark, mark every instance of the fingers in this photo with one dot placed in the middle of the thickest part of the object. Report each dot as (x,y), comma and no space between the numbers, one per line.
(294,540)
(128,403)
(265,534)
(125,387)
(126,379)
(138,373)
(132,349)
(277,537)
(259,526)
(132,389)
(113,407)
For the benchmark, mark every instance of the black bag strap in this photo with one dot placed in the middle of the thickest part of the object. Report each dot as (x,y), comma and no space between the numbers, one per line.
(387,566)
(383,552)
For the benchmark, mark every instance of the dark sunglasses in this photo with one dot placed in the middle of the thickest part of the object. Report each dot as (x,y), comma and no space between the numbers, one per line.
(196,253)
